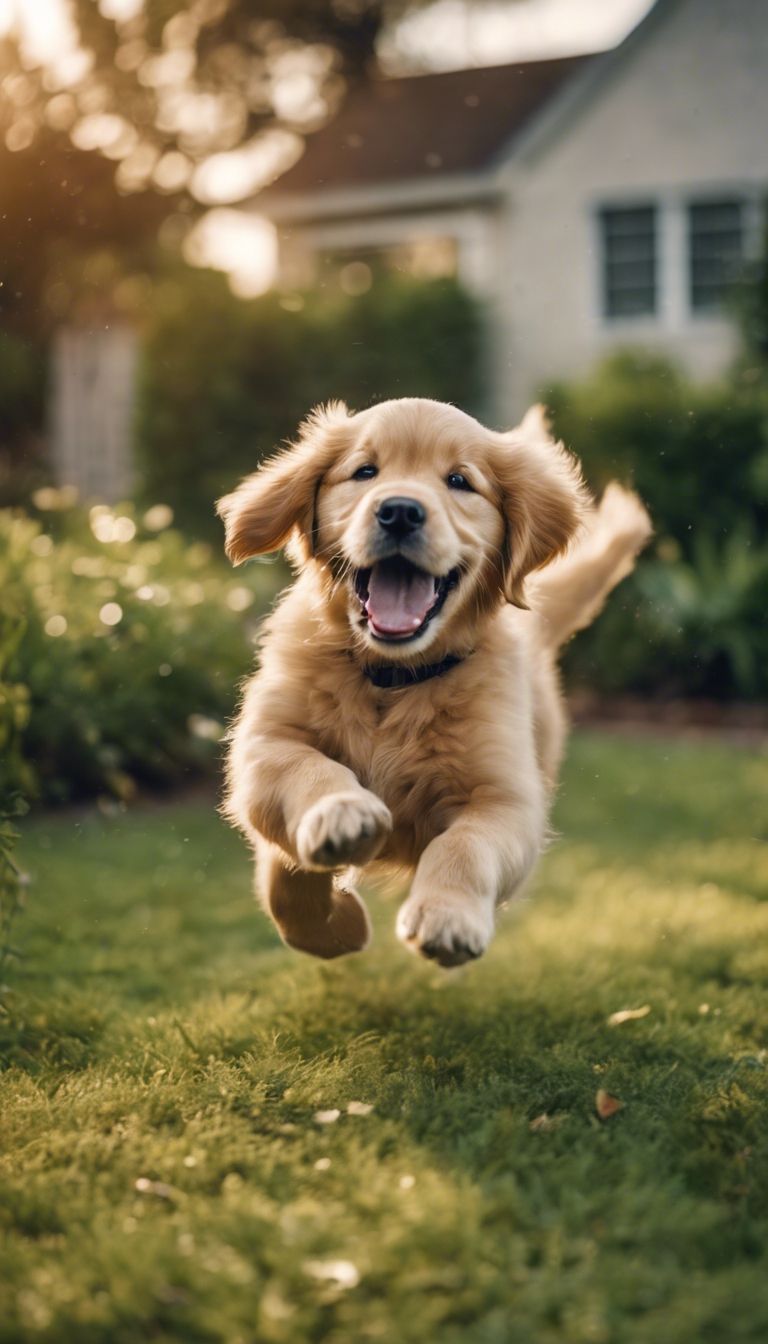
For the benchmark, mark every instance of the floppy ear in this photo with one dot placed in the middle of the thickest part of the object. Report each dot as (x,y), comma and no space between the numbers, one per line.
(279,499)
(544,499)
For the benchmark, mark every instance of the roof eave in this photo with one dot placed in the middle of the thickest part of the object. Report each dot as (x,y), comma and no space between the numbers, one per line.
(558,116)
(397,196)
(483,186)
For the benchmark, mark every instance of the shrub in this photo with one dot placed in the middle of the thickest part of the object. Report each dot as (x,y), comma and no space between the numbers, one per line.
(14,705)
(13,713)
(224,381)
(691,620)
(130,653)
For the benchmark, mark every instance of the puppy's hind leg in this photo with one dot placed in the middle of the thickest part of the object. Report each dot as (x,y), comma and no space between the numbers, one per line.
(318,912)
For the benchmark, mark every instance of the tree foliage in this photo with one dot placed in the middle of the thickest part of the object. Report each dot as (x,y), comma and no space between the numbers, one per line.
(60,206)
(179,81)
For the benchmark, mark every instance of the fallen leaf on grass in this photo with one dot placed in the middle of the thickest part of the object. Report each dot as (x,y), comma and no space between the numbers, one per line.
(606,1105)
(628,1015)
(544,1124)
(327,1117)
(157,1188)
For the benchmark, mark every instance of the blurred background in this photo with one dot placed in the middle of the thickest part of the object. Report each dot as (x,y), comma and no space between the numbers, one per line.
(216,213)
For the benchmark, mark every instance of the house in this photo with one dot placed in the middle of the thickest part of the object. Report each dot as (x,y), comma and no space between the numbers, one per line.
(592,202)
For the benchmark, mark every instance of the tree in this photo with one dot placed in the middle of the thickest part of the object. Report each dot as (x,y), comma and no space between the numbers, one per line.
(163,90)
(101,153)
(59,208)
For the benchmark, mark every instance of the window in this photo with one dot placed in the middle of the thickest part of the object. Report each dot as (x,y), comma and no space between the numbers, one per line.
(716,238)
(629,261)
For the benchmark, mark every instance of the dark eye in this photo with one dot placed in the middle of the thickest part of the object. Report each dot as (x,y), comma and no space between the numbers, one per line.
(457,482)
(365,473)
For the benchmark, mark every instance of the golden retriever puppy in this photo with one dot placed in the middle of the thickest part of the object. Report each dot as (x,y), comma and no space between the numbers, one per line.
(406,710)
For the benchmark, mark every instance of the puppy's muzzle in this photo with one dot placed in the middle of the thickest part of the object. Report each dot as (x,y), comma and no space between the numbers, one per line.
(400,516)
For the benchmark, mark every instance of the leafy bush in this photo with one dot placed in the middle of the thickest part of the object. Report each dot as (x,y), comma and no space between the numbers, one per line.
(14,705)
(12,892)
(692,619)
(130,653)
(224,380)
(13,713)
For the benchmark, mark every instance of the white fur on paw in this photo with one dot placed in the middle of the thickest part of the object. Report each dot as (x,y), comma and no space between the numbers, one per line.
(342,829)
(447,929)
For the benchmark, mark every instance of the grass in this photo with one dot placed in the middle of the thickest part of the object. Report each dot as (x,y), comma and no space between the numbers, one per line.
(165,1173)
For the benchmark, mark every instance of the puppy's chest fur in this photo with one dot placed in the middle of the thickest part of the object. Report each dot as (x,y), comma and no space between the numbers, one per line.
(413,748)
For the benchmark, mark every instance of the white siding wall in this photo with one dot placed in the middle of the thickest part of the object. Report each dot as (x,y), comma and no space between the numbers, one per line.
(685,114)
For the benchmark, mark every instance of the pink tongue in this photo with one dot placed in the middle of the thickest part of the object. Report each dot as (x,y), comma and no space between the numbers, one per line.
(398,601)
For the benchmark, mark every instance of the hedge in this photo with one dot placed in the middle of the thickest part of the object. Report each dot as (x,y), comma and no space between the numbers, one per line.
(692,621)
(123,648)
(224,381)
(13,716)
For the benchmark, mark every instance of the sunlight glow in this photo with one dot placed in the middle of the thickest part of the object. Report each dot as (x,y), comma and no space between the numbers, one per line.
(121,10)
(445,34)
(101,130)
(451,34)
(244,246)
(45,28)
(223,178)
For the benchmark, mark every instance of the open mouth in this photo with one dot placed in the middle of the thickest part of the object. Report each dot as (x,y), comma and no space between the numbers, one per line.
(399,599)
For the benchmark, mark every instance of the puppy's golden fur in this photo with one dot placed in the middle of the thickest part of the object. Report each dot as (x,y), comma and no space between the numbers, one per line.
(449,777)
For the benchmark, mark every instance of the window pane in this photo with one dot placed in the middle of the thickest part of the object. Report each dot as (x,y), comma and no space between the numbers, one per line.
(629,261)
(715,250)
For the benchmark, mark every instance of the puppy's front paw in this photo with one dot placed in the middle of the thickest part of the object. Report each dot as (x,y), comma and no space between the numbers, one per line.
(342,829)
(448,929)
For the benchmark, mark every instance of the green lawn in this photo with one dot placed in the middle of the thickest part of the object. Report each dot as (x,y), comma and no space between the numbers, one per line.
(165,1175)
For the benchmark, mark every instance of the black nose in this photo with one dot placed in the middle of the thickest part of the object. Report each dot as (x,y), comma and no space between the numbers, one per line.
(401,515)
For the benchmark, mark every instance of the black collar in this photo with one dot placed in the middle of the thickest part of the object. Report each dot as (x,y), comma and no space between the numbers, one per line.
(395,676)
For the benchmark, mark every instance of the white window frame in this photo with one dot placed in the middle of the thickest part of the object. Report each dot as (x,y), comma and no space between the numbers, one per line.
(604,208)
(752,203)
(674,309)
